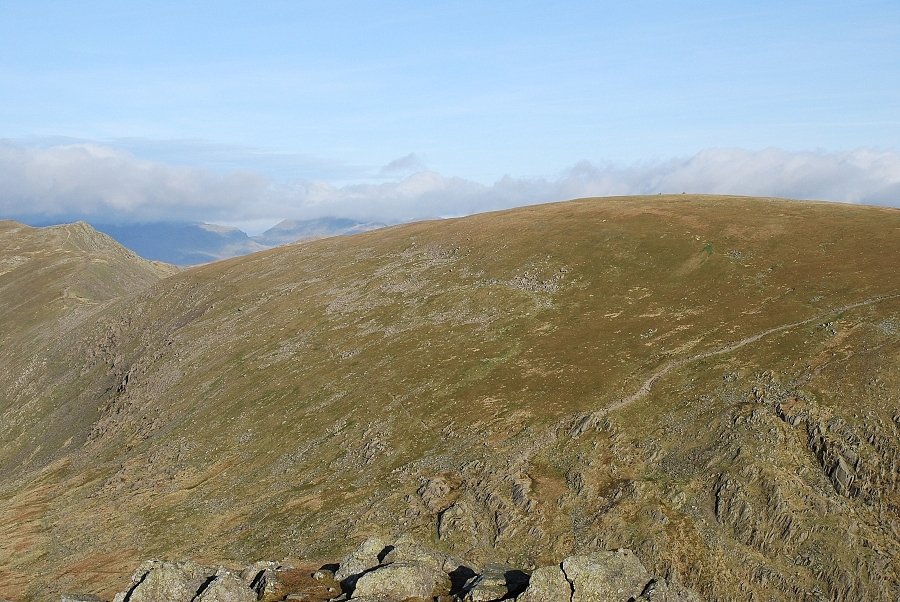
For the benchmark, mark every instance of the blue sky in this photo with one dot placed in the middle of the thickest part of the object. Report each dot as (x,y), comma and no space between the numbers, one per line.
(329,93)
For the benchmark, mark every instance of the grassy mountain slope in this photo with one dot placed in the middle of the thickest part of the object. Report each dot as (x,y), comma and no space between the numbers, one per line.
(709,381)
(53,283)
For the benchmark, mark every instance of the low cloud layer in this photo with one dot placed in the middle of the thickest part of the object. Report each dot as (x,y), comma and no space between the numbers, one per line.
(94,181)
(97,182)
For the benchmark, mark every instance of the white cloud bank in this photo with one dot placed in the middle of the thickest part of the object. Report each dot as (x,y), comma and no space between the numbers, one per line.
(100,182)
(97,182)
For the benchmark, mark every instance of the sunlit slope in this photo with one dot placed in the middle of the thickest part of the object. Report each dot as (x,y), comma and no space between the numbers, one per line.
(50,272)
(640,372)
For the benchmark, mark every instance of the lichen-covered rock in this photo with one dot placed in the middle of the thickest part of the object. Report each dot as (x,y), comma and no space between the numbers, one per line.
(407,549)
(547,584)
(261,577)
(365,557)
(402,580)
(495,582)
(615,576)
(158,581)
(406,572)
(227,587)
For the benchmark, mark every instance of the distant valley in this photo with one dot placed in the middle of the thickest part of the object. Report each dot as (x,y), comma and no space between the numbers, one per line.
(192,243)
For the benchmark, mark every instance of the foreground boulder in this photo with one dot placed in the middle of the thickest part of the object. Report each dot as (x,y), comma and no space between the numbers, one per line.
(365,557)
(403,580)
(408,549)
(606,576)
(262,577)
(157,580)
(162,581)
(547,584)
(495,582)
(227,587)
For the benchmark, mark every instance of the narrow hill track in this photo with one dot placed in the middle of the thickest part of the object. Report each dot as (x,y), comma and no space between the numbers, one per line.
(647,385)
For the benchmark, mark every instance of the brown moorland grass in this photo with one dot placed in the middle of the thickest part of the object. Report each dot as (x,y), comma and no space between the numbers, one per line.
(464,380)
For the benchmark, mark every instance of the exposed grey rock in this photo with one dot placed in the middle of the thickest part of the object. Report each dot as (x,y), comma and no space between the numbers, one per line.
(402,580)
(659,590)
(227,587)
(261,577)
(410,570)
(407,549)
(435,494)
(547,584)
(456,522)
(365,557)
(842,476)
(495,582)
(614,576)
(157,581)
(78,598)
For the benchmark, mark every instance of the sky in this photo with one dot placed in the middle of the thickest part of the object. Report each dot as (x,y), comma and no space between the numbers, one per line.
(249,112)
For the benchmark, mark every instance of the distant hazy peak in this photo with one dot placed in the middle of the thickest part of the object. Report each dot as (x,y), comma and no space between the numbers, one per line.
(219,229)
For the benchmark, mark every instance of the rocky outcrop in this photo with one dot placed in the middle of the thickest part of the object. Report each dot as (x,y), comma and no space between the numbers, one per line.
(496,582)
(403,580)
(406,571)
(227,587)
(162,581)
(365,557)
(159,580)
(606,576)
(547,584)
(261,577)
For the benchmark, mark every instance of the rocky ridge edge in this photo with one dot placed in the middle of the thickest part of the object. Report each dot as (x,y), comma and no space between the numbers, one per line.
(405,571)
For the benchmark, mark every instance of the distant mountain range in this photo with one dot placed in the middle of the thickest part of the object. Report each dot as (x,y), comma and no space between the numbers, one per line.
(191,243)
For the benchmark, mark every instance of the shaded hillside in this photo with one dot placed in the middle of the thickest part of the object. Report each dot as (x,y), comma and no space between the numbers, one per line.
(710,382)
